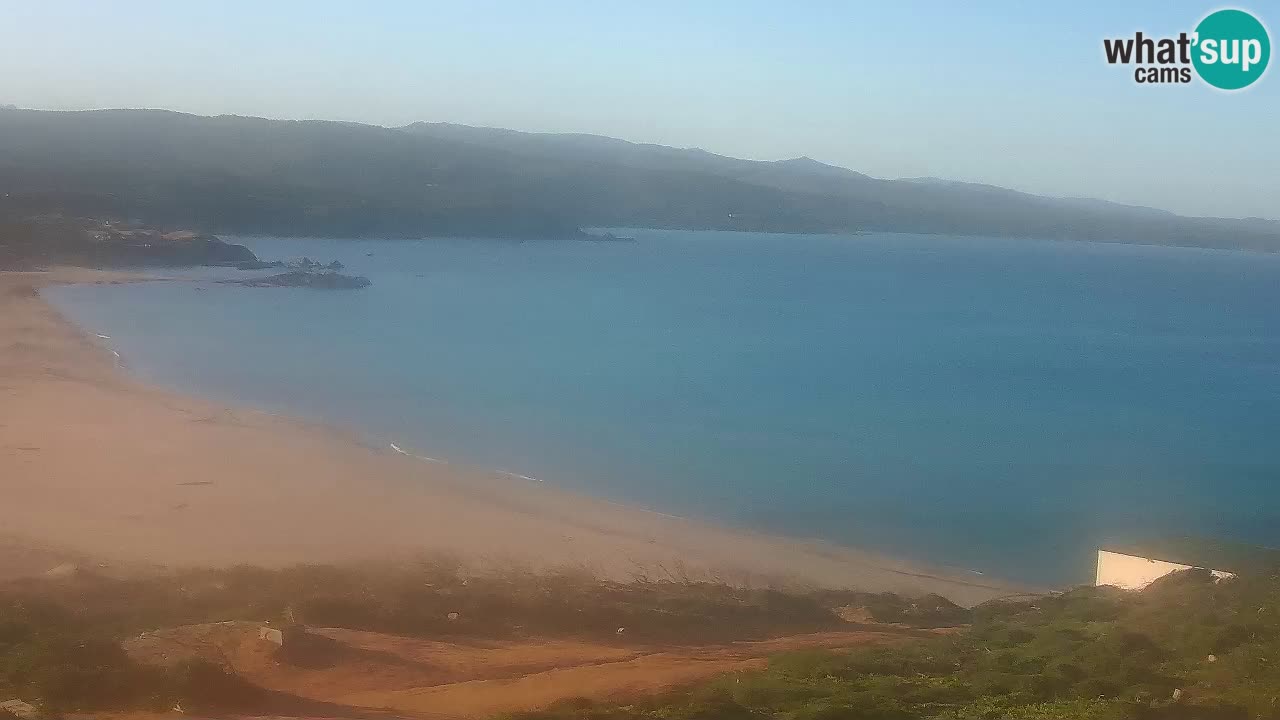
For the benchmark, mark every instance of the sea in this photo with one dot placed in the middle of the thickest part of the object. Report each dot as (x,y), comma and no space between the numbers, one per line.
(996,406)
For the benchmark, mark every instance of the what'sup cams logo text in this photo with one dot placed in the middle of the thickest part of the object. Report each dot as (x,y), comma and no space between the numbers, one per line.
(1229,50)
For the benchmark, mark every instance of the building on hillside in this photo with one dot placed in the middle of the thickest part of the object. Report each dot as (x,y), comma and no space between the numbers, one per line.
(1133,567)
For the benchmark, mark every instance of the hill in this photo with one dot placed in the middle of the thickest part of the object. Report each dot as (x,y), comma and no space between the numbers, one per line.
(250,175)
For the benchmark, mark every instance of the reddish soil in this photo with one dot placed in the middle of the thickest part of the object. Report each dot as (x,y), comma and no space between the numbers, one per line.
(372,672)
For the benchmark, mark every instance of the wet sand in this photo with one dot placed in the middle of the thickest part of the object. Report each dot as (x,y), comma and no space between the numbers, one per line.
(98,467)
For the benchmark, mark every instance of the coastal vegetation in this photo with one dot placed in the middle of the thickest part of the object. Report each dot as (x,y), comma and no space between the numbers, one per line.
(1187,647)
(244,175)
(39,241)
(60,636)
(34,241)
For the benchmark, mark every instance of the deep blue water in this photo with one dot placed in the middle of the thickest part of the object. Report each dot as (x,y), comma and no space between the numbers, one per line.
(998,405)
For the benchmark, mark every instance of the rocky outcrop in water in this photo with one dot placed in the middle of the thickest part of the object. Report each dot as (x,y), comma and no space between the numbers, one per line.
(258,265)
(309,265)
(606,237)
(324,280)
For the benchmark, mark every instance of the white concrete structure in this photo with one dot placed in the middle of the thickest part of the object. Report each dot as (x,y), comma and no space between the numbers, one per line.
(1134,572)
(271,635)
(20,709)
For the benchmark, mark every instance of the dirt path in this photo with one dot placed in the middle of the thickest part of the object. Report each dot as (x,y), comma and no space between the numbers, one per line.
(473,679)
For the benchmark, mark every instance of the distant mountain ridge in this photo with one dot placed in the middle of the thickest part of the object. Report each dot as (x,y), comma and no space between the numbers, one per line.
(252,175)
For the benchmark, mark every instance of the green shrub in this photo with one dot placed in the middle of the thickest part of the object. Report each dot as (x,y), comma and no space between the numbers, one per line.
(1093,653)
(203,685)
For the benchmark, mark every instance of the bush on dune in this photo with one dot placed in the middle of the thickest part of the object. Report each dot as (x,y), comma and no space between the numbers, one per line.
(1186,648)
(59,637)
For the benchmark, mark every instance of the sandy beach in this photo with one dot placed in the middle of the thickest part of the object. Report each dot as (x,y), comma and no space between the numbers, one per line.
(96,467)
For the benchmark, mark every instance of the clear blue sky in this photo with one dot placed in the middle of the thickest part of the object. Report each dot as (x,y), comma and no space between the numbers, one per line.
(1010,93)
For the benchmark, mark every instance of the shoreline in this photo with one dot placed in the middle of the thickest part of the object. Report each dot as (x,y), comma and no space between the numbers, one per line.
(97,462)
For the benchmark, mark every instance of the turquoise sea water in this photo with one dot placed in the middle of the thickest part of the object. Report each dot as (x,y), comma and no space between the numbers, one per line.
(995,405)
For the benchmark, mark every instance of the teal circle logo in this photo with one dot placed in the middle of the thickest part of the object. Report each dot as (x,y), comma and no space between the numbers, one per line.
(1231,49)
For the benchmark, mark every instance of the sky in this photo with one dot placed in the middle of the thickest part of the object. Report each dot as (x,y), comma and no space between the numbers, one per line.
(1009,93)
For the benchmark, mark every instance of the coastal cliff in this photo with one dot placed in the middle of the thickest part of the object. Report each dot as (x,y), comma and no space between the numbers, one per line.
(57,240)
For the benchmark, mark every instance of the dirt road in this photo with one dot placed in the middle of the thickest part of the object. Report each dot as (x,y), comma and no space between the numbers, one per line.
(366,671)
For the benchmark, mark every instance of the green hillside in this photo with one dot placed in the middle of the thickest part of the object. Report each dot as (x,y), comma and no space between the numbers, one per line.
(232,174)
(1184,648)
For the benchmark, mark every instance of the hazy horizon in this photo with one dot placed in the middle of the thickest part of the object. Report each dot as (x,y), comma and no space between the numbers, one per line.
(1275,218)
(1007,95)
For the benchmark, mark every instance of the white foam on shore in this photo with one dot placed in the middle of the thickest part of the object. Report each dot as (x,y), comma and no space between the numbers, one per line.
(104,337)
(406,453)
(417,457)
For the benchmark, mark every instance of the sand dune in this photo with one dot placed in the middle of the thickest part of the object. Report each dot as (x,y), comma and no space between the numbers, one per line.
(94,464)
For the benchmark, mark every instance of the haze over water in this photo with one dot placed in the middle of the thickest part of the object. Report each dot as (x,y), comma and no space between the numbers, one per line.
(996,405)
